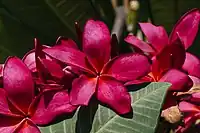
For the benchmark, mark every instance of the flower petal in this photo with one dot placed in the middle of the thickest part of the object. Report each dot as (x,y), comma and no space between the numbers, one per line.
(70,57)
(82,90)
(145,47)
(18,83)
(188,121)
(156,35)
(128,67)
(112,93)
(187,107)
(27,126)
(97,43)
(195,97)
(5,107)
(179,80)
(9,124)
(63,43)
(29,60)
(170,100)
(172,56)
(192,65)
(187,28)
(51,105)
(53,68)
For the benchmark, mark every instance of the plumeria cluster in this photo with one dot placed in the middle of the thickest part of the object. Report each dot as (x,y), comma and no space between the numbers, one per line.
(52,82)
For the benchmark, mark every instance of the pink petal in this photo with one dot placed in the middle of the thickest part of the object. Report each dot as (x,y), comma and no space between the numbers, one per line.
(188,107)
(27,126)
(112,93)
(172,56)
(187,28)
(144,79)
(18,83)
(195,97)
(179,80)
(188,121)
(29,60)
(9,124)
(51,105)
(128,67)
(196,81)
(63,43)
(97,43)
(53,68)
(192,65)
(5,107)
(145,47)
(170,100)
(156,35)
(70,57)
(82,90)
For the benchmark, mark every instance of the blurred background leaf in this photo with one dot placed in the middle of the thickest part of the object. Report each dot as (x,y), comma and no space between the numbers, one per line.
(23,20)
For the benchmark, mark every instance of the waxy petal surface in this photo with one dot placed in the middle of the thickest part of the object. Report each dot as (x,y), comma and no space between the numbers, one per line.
(128,67)
(179,80)
(29,60)
(134,41)
(97,43)
(113,94)
(187,28)
(172,56)
(70,56)
(27,126)
(52,104)
(187,107)
(18,83)
(192,65)
(156,35)
(82,90)
(64,43)
(9,124)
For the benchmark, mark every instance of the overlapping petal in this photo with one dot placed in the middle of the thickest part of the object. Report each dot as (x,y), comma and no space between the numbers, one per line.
(156,35)
(172,56)
(145,47)
(18,83)
(97,43)
(71,57)
(179,80)
(114,94)
(192,65)
(82,90)
(187,107)
(128,67)
(29,60)
(9,124)
(187,28)
(52,104)
(27,126)
(64,43)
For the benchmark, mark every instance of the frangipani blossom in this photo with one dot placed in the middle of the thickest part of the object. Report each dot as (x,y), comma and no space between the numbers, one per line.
(102,77)
(169,53)
(21,110)
(191,111)
(52,82)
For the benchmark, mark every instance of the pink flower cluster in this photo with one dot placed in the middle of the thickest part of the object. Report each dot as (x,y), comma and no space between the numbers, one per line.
(50,82)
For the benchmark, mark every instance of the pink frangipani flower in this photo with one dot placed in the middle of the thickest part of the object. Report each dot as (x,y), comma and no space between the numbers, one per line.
(21,109)
(102,77)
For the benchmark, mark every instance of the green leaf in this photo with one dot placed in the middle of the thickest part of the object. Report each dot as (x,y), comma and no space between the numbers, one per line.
(55,18)
(146,103)
(15,39)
